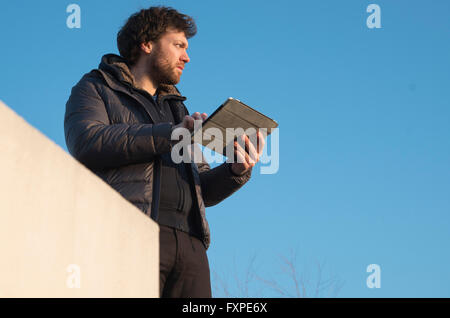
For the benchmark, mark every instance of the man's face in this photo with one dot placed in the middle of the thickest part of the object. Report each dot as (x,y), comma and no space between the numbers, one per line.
(168,57)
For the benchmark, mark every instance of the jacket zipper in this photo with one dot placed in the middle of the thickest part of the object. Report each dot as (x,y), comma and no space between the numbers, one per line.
(180,191)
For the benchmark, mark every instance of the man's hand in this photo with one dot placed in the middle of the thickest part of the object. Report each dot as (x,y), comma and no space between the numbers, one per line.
(248,158)
(188,122)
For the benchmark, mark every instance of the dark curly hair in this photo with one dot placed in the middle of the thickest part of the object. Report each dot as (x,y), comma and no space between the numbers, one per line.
(149,25)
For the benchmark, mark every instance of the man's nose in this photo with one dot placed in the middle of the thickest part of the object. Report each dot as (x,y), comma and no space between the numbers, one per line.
(185,58)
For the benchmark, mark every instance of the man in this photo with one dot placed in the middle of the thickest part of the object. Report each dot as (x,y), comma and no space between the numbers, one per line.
(119,121)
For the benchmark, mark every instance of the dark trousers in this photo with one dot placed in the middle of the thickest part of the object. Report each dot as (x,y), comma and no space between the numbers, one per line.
(183,265)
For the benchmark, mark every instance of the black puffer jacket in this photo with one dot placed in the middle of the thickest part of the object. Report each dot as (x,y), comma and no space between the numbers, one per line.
(112,128)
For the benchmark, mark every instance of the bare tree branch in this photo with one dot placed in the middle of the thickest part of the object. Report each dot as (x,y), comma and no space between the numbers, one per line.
(303,284)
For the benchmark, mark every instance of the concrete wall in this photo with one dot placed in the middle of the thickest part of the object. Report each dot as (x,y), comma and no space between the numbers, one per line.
(62,227)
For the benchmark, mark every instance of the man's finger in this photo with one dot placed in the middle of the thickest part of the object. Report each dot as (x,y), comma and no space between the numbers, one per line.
(189,122)
(245,155)
(197,116)
(251,149)
(255,153)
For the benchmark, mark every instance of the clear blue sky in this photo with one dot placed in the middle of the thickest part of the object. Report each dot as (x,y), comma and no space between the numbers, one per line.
(364,118)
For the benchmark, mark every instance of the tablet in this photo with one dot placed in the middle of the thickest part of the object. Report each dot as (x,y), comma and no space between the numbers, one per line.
(226,121)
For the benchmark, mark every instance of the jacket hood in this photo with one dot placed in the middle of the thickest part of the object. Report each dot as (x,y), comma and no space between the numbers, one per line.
(117,67)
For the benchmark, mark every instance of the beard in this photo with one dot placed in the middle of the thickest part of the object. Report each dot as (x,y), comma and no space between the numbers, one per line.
(162,71)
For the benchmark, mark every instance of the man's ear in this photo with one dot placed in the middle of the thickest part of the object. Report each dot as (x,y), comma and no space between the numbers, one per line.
(147,47)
